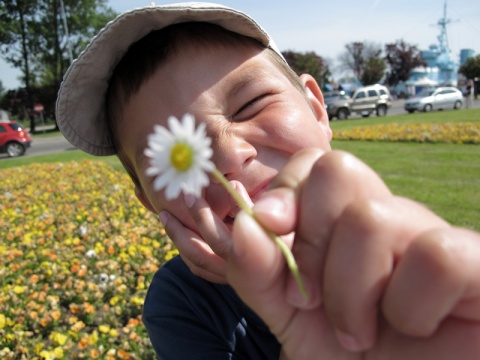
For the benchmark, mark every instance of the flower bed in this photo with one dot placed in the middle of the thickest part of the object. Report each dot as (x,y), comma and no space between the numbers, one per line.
(78,253)
(457,133)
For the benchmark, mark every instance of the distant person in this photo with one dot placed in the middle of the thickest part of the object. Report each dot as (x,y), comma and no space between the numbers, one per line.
(469,94)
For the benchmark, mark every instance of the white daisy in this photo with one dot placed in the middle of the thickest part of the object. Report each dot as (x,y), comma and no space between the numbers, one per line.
(179,157)
(179,160)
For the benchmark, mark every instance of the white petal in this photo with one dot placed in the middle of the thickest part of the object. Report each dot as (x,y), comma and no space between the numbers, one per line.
(152,171)
(173,190)
(162,180)
(174,126)
(188,122)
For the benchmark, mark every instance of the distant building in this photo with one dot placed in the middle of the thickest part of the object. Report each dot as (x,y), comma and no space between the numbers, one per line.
(442,68)
(465,54)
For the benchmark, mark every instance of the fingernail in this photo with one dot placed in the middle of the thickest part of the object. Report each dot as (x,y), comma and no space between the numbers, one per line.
(349,342)
(189,200)
(163,216)
(270,204)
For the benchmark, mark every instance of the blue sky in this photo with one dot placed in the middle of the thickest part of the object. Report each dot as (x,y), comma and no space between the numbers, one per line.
(325,26)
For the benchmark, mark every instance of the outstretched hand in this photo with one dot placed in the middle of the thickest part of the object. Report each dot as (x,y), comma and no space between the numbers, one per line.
(386,277)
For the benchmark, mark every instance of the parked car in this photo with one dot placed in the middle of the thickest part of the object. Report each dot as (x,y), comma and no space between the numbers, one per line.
(14,140)
(447,97)
(337,104)
(369,99)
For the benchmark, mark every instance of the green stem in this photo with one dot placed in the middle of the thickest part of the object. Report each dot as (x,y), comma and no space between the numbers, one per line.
(292,264)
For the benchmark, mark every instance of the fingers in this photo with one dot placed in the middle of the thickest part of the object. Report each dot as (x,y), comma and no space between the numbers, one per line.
(368,239)
(336,180)
(256,271)
(210,226)
(437,277)
(196,253)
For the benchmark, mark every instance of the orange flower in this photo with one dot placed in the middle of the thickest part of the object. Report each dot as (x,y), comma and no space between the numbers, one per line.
(75,267)
(133,336)
(122,354)
(82,271)
(56,314)
(83,343)
(94,354)
(89,309)
(45,321)
(33,315)
(34,278)
(74,309)
(133,322)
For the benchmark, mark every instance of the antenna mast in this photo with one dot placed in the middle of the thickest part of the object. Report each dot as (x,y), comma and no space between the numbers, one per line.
(442,38)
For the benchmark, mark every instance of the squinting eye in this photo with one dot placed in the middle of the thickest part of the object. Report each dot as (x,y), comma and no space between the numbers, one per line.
(250,109)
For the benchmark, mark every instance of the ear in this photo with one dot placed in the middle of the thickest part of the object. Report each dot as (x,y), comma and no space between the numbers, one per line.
(144,199)
(315,96)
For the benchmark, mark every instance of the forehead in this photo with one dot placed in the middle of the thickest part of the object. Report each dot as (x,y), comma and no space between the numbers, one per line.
(189,79)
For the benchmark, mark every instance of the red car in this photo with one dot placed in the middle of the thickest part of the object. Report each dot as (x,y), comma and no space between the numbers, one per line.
(14,140)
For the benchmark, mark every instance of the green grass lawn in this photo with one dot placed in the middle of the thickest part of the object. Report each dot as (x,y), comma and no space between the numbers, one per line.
(74,155)
(446,177)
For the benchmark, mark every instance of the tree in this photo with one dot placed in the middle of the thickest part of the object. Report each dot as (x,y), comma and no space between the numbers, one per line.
(34,40)
(83,17)
(18,36)
(364,60)
(401,59)
(471,68)
(309,63)
(373,70)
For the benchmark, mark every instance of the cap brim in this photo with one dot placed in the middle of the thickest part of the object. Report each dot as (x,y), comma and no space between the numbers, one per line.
(81,110)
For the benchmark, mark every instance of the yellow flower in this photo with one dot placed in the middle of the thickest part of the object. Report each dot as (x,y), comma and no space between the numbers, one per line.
(114,300)
(171,254)
(135,300)
(17,289)
(58,338)
(93,338)
(104,328)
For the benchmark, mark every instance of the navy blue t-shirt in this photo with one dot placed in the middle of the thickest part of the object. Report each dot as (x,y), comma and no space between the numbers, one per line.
(188,317)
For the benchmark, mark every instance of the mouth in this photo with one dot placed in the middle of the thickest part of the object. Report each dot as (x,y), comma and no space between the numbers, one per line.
(248,197)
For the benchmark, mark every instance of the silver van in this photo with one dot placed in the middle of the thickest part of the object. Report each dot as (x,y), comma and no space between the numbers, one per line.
(369,99)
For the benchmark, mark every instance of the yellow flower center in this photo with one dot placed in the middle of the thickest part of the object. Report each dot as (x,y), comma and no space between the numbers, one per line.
(181,156)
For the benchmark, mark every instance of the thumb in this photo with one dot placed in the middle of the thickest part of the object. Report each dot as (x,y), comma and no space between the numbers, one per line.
(276,210)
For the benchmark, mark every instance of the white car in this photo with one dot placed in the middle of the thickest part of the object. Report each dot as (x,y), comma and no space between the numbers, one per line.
(436,99)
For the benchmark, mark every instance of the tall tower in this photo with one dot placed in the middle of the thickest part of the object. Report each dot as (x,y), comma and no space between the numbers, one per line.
(443,38)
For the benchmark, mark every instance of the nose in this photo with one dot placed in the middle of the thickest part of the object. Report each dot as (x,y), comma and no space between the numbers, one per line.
(232,153)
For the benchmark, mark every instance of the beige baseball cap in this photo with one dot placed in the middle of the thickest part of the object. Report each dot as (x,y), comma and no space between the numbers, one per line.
(81,103)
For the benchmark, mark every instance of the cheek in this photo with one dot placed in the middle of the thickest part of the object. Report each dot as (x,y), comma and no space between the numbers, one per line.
(294,130)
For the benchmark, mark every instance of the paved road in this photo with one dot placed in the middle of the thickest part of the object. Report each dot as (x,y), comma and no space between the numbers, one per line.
(44,146)
(397,108)
(55,144)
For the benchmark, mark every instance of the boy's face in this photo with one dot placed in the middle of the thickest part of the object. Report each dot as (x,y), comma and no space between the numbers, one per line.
(255,116)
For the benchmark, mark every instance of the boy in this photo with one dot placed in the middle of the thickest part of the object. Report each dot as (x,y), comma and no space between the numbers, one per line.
(364,254)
